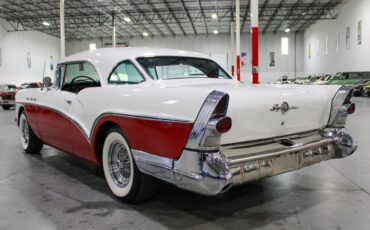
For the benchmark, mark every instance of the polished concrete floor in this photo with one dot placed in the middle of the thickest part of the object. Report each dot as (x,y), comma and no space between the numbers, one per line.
(57,191)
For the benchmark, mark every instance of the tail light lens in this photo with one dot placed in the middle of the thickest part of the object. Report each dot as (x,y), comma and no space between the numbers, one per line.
(223,125)
(351,108)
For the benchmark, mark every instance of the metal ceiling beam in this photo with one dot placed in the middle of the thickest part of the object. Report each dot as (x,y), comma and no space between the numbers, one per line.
(272,18)
(174,17)
(262,9)
(188,16)
(247,9)
(320,11)
(202,13)
(127,23)
(308,8)
(148,20)
(288,14)
(159,16)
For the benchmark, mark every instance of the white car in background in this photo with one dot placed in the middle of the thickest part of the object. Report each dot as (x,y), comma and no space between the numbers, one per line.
(179,117)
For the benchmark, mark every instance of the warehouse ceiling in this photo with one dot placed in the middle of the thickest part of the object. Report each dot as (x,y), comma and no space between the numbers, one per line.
(88,19)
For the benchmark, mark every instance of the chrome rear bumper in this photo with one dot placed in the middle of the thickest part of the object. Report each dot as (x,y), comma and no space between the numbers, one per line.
(211,173)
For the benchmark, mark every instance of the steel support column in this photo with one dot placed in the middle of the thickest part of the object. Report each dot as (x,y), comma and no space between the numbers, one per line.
(62,30)
(237,50)
(232,45)
(254,32)
(113,30)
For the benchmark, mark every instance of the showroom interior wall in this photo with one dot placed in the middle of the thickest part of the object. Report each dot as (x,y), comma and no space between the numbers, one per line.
(20,48)
(219,46)
(353,58)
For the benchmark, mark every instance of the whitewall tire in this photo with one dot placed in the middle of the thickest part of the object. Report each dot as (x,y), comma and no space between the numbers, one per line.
(124,179)
(29,141)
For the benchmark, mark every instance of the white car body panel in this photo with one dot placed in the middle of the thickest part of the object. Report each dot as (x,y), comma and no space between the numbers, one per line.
(181,99)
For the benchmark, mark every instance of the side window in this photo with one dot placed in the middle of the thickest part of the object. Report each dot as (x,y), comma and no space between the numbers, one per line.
(125,73)
(78,76)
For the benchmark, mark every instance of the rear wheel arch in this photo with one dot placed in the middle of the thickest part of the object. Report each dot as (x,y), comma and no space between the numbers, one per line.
(20,111)
(101,133)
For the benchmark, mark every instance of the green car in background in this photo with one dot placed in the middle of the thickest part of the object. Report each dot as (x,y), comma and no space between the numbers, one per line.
(349,78)
(366,90)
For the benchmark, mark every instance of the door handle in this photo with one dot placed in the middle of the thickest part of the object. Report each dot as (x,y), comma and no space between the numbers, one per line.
(68,102)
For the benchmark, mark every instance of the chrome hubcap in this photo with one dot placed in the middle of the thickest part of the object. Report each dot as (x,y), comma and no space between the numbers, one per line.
(119,164)
(25,132)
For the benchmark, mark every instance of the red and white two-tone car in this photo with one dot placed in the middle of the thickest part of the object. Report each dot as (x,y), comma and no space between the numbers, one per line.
(178,116)
(7,96)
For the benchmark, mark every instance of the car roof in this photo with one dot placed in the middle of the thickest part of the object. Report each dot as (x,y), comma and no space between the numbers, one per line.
(105,59)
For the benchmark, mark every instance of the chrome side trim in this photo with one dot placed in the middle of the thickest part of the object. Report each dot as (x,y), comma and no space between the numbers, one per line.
(153,165)
(203,118)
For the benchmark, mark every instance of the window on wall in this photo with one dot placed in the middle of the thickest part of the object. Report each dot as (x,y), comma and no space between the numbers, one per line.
(92,46)
(284,46)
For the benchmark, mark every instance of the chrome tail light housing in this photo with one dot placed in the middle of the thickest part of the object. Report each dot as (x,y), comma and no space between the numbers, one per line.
(341,107)
(211,123)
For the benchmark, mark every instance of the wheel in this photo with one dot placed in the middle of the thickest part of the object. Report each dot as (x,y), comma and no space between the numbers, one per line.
(30,142)
(6,107)
(363,93)
(123,177)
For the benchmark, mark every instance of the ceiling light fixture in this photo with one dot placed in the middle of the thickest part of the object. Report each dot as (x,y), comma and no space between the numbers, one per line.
(127,19)
(287,30)
(215,31)
(145,34)
(45,23)
(214,16)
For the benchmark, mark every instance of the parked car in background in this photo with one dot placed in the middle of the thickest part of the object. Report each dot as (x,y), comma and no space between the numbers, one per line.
(366,90)
(29,85)
(323,80)
(7,96)
(349,78)
(180,117)
(358,89)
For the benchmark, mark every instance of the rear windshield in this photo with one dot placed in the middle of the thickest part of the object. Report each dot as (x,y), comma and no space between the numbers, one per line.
(166,68)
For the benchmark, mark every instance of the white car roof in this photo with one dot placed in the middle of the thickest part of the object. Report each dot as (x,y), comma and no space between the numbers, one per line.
(105,59)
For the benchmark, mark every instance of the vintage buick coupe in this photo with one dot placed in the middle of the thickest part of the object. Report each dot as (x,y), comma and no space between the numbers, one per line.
(179,117)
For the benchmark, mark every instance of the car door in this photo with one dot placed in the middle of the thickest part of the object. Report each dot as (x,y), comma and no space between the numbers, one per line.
(53,115)
(59,106)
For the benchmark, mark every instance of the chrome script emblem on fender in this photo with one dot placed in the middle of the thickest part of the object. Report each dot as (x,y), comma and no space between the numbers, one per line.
(284,108)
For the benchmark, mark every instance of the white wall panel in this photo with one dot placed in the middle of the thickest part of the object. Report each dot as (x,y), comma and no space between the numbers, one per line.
(14,48)
(354,59)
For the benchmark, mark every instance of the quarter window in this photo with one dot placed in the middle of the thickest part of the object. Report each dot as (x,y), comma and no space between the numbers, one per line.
(125,73)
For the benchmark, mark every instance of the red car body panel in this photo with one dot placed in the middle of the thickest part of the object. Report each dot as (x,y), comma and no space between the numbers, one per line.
(162,138)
